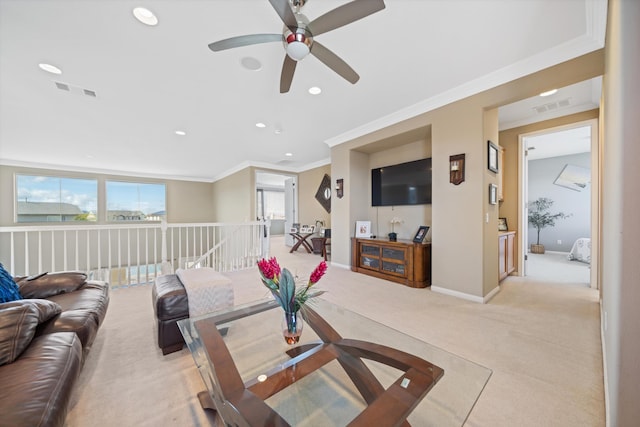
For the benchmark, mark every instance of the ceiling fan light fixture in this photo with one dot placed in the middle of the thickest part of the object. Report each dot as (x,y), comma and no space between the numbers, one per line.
(297,46)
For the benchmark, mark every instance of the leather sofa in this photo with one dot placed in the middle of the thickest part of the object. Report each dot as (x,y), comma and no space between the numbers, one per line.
(44,339)
(170,304)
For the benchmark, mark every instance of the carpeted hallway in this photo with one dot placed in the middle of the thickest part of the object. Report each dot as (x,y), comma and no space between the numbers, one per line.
(540,339)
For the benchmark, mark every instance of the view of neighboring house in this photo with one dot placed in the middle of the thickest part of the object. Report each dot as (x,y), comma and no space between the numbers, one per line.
(125,215)
(48,212)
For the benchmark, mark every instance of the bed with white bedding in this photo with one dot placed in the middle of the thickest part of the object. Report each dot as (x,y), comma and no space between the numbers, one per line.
(581,250)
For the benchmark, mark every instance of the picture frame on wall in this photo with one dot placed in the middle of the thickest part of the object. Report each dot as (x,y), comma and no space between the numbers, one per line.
(363,229)
(492,161)
(502,224)
(421,234)
(493,194)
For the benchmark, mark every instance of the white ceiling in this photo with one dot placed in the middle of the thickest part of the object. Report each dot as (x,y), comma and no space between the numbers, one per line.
(560,143)
(152,81)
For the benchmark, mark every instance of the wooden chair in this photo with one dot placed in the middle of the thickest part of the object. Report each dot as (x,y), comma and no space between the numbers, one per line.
(326,243)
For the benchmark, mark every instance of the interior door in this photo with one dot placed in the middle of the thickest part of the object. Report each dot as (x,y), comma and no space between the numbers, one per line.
(290,208)
(523,197)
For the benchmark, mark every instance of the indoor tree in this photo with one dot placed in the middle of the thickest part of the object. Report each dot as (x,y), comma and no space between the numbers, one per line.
(540,216)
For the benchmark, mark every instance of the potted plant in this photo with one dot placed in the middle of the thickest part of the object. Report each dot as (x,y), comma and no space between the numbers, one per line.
(393,236)
(540,217)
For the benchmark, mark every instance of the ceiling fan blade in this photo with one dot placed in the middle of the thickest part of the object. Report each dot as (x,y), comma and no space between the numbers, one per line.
(344,15)
(288,68)
(239,41)
(334,62)
(285,12)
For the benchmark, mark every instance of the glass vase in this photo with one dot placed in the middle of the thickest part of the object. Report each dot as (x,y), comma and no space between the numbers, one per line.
(292,325)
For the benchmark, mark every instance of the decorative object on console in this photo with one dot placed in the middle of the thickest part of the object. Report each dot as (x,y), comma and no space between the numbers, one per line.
(493,194)
(393,236)
(323,195)
(308,229)
(282,285)
(420,234)
(456,169)
(492,162)
(540,217)
(363,229)
(502,224)
(340,188)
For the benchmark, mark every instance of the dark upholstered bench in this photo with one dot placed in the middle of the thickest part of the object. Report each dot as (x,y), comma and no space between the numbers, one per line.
(170,304)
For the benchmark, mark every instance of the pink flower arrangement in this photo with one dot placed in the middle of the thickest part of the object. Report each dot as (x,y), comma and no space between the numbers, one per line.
(281,283)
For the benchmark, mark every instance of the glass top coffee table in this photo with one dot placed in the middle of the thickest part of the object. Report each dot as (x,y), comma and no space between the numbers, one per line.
(346,370)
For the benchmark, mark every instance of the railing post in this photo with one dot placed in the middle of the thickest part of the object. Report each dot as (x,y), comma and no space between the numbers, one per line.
(265,236)
(165,267)
(163,232)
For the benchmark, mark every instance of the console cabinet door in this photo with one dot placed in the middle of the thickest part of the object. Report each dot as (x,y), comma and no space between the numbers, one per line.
(502,256)
(393,261)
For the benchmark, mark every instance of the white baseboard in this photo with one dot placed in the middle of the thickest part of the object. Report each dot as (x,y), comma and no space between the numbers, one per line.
(468,297)
(335,264)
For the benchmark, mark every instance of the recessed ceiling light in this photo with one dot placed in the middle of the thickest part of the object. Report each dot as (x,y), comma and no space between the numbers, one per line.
(50,68)
(277,131)
(261,125)
(288,154)
(145,16)
(315,90)
(181,132)
(549,92)
(251,63)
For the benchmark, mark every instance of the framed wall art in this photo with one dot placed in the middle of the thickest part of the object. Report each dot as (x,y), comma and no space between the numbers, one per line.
(493,194)
(492,163)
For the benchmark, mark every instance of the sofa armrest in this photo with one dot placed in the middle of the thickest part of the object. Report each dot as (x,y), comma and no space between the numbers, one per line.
(51,284)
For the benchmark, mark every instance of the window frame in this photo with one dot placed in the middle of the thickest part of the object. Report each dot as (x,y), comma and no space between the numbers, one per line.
(108,216)
(61,200)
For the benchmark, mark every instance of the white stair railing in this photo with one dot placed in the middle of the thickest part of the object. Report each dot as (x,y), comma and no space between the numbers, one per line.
(129,254)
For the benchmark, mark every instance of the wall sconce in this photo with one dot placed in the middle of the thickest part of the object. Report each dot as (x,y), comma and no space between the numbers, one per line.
(456,169)
(340,188)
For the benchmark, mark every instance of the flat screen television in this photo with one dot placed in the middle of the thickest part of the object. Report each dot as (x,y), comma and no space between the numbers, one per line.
(402,184)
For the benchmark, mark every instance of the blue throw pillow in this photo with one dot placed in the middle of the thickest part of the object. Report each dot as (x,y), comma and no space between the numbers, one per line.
(9,290)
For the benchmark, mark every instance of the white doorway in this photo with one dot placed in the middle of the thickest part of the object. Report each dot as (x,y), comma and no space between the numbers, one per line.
(276,201)
(561,164)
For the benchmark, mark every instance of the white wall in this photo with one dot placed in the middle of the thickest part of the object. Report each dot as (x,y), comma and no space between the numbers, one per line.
(620,207)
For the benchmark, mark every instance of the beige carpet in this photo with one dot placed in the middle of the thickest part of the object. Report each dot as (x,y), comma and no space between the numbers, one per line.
(556,267)
(540,339)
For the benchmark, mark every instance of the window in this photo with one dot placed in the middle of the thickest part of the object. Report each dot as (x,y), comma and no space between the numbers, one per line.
(270,204)
(134,201)
(55,199)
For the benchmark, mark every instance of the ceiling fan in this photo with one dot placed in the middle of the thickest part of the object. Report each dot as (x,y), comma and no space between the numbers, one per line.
(298,36)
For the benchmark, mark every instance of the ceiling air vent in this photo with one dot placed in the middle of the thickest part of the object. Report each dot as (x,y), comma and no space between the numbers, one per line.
(76,90)
(551,106)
